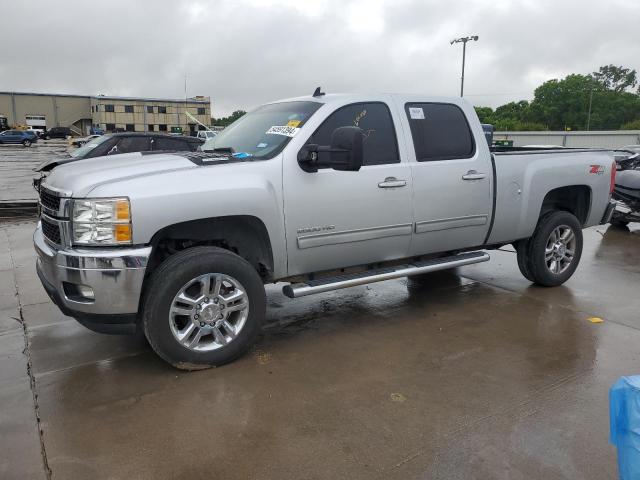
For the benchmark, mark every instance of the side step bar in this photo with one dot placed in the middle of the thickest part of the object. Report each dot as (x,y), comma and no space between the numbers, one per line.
(378,275)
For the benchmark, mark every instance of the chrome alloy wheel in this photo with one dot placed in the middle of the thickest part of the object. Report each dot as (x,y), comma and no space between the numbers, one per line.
(209,312)
(560,249)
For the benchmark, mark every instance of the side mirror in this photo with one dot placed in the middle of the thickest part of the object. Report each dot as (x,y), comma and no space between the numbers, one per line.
(344,154)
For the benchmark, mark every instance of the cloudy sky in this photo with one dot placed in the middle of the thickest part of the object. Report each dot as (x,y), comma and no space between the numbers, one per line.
(245,52)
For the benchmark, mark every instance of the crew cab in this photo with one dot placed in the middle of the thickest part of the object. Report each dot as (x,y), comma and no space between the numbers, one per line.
(321,192)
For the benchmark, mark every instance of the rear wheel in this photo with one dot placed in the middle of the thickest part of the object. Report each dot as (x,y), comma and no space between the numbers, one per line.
(553,253)
(26,143)
(204,307)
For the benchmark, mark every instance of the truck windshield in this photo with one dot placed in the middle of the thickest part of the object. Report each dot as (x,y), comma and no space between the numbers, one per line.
(87,147)
(264,132)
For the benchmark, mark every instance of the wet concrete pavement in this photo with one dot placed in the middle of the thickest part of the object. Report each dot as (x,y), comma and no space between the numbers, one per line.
(469,374)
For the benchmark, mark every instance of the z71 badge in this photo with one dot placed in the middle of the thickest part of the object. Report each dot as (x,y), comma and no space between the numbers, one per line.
(596,169)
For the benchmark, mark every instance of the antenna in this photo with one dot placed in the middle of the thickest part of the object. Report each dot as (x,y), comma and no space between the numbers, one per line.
(318,92)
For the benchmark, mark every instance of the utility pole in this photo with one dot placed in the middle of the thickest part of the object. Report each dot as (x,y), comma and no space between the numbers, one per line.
(589,114)
(464,41)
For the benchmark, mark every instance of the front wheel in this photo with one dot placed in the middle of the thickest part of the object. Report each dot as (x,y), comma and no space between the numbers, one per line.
(204,307)
(26,143)
(551,256)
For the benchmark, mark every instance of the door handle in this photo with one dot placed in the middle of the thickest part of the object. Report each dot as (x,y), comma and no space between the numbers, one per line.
(473,175)
(392,182)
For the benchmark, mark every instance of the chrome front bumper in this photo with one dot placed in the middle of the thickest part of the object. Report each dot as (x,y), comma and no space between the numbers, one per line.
(115,275)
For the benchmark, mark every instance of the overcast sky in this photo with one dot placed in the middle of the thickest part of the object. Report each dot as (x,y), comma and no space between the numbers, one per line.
(245,52)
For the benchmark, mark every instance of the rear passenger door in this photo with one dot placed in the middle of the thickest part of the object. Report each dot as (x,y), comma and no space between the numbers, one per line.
(452,178)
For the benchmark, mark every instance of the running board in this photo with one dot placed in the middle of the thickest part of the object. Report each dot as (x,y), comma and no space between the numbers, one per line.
(334,283)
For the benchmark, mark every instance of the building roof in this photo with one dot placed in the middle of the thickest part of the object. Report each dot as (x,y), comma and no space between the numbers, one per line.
(203,100)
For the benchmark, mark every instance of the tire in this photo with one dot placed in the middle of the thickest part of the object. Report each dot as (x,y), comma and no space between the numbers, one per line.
(47,137)
(521,254)
(162,326)
(548,261)
(26,143)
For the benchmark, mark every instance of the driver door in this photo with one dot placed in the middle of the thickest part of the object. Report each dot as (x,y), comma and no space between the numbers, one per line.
(336,219)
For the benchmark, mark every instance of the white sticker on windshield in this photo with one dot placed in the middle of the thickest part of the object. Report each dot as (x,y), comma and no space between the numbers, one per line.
(416,113)
(284,130)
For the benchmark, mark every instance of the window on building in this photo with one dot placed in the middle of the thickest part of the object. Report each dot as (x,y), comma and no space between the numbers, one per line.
(440,131)
(162,109)
(380,145)
(202,111)
(109,108)
(149,108)
(162,127)
(151,128)
(128,109)
(91,108)
(110,127)
(130,127)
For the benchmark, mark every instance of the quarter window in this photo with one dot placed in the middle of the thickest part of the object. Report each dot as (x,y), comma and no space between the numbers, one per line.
(440,131)
(380,144)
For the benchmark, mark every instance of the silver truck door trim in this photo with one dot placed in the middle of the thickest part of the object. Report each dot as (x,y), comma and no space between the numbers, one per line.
(446,223)
(349,236)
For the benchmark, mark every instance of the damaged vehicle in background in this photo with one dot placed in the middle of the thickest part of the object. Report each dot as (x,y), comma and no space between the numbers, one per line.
(627,190)
(322,192)
(119,143)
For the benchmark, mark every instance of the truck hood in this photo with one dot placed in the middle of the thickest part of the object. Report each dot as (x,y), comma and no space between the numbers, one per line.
(80,178)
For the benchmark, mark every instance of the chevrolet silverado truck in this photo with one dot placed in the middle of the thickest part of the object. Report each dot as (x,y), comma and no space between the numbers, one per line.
(321,192)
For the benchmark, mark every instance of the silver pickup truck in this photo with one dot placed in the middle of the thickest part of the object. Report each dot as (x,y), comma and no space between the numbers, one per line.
(321,192)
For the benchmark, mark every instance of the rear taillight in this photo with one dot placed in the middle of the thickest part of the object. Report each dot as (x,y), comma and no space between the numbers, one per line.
(614,168)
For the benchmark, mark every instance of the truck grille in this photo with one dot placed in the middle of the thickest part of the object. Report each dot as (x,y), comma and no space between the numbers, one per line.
(51,231)
(49,200)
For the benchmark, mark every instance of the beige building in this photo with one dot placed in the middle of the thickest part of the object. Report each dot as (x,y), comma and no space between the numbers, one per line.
(79,112)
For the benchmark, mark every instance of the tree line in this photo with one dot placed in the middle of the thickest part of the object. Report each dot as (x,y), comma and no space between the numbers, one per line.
(604,100)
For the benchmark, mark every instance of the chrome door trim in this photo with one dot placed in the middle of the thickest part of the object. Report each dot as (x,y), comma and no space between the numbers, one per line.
(350,236)
(446,223)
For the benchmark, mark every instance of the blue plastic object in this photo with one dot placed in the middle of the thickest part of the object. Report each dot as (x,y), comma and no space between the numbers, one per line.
(624,417)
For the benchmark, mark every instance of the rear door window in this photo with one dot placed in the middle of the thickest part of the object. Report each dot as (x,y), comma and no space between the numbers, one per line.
(380,144)
(440,131)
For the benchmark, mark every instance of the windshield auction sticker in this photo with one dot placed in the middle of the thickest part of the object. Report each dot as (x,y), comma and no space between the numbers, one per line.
(285,130)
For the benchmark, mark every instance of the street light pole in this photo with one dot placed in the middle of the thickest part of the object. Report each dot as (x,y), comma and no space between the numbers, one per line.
(464,41)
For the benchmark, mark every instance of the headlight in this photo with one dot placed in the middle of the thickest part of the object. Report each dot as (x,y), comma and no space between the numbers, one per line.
(103,221)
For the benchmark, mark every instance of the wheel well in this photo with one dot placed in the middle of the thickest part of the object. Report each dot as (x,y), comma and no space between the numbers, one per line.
(574,198)
(244,235)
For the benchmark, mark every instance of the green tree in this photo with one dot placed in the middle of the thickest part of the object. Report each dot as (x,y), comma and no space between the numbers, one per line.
(226,121)
(485,114)
(618,79)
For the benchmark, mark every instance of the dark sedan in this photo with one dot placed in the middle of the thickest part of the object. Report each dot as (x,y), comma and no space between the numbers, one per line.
(116,143)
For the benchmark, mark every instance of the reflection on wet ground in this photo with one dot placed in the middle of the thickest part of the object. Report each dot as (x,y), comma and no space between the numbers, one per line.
(463,374)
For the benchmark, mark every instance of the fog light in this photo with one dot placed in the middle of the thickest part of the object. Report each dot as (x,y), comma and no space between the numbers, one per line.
(86,292)
(78,292)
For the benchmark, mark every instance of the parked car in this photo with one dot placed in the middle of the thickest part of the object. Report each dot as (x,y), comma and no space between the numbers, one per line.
(57,132)
(206,134)
(24,137)
(322,192)
(128,142)
(78,142)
